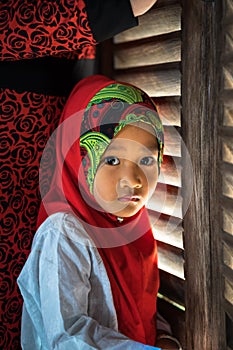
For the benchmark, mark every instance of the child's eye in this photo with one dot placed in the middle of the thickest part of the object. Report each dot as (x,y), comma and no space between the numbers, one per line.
(147,161)
(111,161)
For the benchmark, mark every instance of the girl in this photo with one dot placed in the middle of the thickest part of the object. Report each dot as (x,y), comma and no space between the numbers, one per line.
(91,279)
(46,47)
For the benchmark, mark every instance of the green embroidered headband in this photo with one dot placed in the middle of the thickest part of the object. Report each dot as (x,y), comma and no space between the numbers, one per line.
(109,111)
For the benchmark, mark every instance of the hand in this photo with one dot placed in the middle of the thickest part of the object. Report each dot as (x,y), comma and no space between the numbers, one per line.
(140,7)
(168,344)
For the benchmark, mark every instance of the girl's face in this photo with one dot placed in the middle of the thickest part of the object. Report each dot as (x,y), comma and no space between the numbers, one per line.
(128,171)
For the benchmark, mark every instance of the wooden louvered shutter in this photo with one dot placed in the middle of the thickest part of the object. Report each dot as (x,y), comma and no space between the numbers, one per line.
(226,132)
(149,57)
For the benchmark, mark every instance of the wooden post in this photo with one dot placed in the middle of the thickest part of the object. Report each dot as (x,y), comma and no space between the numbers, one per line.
(201,78)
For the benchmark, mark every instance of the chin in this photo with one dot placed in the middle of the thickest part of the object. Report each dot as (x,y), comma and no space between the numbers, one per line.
(127,213)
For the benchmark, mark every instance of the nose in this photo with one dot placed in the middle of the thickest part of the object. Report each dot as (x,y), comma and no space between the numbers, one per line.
(131,176)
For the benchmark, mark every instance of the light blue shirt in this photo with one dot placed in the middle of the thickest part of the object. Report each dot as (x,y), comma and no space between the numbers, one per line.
(68,302)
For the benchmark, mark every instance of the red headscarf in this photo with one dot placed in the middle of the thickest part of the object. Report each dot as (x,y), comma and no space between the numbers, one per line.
(128,249)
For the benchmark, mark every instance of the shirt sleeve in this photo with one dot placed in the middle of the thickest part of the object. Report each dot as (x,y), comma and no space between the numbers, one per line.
(109,17)
(38,28)
(162,324)
(56,285)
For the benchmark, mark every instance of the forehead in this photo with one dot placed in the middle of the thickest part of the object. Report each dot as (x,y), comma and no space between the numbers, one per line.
(138,135)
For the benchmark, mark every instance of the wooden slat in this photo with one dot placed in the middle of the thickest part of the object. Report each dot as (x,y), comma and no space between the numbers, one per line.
(167,200)
(169,260)
(172,287)
(228,18)
(227,58)
(227,149)
(147,53)
(162,3)
(229,327)
(229,7)
(229,324)
(226,131)
(228,76)
(155,22)
(227,255)
(165,82)
(227,181)
(227,238)
(169,110)
(229,43)
(227,97)
(170,171)
(167,229)
(229,309)
(228,24)
(172,141)
(228,274)
(227,216)
(228,116)
(228,291)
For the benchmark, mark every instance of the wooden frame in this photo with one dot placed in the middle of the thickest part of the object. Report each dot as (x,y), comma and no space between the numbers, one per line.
(201,118)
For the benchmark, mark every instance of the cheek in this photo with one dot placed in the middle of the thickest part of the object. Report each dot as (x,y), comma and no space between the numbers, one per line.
(105,184)
(152,179)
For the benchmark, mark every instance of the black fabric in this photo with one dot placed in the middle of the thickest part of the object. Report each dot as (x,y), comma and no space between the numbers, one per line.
(48,75)
(109,17)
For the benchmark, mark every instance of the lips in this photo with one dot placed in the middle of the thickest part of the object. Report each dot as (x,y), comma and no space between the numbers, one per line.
(125,199)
